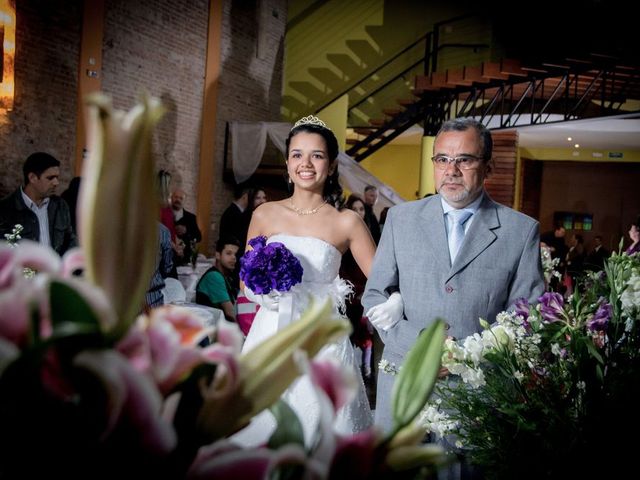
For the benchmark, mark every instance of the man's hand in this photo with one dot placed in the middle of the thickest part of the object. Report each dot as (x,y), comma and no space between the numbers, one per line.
(387,314)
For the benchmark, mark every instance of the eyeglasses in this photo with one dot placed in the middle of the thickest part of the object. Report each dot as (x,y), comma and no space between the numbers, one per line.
(463,162)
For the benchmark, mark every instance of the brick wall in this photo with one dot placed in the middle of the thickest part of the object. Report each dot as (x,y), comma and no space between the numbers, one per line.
(500,184)
(250,87)
(44,113)
(157,46)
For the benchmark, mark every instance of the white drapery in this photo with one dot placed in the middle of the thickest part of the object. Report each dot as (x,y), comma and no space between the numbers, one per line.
(250,139)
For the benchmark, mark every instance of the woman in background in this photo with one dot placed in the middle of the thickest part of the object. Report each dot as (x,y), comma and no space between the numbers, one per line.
(634,234)
(362,336)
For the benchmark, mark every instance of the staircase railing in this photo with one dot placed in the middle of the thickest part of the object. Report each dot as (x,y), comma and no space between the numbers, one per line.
(429,60)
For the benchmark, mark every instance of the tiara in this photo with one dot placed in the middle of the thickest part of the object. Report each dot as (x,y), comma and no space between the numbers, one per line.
(310,120)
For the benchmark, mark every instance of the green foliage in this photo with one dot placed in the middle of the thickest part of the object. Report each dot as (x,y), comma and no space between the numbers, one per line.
(563,388)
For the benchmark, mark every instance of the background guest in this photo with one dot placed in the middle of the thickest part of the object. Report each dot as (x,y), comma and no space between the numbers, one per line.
(164,266)
(362,336)
(186,227)
(70,195)
(575,259)
(215,288)
(370,199)
(634,234)
(595,259)
(44,216)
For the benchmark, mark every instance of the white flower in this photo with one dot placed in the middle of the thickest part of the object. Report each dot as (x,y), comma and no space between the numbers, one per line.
(436,421)
(388,367)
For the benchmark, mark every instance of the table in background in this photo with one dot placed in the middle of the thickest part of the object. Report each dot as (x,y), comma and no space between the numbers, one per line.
(189,276)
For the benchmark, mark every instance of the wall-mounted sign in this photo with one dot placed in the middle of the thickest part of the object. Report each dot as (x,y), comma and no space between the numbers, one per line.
(616,155)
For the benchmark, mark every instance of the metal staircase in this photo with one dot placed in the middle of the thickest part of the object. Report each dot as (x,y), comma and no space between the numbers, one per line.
(507,94)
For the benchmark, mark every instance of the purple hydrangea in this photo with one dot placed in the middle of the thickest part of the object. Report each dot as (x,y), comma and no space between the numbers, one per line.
(551,307)
(269,267)
(600,320)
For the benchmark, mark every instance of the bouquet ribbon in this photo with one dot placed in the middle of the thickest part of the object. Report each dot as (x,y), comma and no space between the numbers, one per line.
(285,311)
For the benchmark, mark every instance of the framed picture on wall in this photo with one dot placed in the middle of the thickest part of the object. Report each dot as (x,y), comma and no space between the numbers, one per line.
(574,220)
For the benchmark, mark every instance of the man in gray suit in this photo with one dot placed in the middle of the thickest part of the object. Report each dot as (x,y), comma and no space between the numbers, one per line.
(429,265)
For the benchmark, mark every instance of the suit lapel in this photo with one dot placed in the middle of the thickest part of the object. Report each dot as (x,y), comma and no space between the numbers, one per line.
(435,235)
(479,236)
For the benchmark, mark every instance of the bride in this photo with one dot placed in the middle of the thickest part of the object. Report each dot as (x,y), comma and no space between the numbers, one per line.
(317,234)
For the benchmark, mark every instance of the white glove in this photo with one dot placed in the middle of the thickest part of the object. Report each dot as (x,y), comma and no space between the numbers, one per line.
(387,314)
(271,301)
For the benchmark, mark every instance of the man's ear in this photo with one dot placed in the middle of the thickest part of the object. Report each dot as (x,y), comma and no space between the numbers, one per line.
(32,177)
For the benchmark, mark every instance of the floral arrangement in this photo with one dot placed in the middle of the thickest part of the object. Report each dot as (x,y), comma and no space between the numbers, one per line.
(546,385)
(269,267)
(90,387)
(549,265)
(14,237)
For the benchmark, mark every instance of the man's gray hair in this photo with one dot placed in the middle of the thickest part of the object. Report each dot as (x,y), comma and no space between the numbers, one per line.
(463,124)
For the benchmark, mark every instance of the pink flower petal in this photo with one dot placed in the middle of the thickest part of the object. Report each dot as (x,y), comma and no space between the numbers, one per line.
(355,456)
(132,398)
(7,266)
(223,460)
(338,383)
(37,257)
(72,260)
(229,335)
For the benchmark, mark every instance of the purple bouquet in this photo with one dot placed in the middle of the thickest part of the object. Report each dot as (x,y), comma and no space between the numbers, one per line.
(269,267)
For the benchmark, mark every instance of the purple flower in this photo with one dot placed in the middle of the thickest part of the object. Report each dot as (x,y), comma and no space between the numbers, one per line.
(551,307)
(269,267)
(522,309)
(601,319)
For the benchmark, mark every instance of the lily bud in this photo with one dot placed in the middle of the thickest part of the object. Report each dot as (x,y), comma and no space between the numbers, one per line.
(118,207)
(417,376)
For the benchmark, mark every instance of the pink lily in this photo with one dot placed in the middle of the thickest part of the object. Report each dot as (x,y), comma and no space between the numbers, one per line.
(132,398)
(224,460)
(164,345)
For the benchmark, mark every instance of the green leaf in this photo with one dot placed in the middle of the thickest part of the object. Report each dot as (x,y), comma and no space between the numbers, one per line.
(67,305)
(289,428)
(594,352)
(417,376)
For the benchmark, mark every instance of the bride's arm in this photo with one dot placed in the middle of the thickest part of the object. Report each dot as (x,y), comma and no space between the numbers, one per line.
(361,242)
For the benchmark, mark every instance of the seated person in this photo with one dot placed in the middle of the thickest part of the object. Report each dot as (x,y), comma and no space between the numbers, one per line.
(215,288)
(164,265)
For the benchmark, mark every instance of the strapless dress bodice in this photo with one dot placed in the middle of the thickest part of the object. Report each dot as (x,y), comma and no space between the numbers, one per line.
(319,259)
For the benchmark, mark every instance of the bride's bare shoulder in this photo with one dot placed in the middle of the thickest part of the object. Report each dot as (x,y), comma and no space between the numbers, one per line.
(269,210)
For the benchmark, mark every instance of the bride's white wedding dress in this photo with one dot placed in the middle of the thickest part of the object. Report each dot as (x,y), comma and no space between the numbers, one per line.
(320,262)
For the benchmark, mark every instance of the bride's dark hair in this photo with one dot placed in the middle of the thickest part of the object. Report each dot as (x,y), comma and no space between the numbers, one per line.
(332,192)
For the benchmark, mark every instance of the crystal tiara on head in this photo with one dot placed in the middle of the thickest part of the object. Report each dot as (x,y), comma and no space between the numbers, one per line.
(310,120)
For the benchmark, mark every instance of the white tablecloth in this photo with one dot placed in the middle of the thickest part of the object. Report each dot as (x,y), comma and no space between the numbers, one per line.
(210,315)
(189,277)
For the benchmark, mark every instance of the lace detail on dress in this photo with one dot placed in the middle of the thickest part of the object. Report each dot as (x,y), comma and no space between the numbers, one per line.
(338,291)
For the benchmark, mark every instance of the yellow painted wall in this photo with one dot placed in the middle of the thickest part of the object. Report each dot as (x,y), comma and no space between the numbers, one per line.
(398,166)
(335,116)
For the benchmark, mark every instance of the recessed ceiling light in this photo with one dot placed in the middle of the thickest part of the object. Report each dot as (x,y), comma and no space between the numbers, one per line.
(577,145)
(569,139)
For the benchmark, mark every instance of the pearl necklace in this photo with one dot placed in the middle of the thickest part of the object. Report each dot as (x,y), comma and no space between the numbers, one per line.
(300,211)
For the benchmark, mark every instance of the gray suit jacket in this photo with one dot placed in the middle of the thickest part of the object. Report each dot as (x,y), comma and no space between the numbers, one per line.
(498,263)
